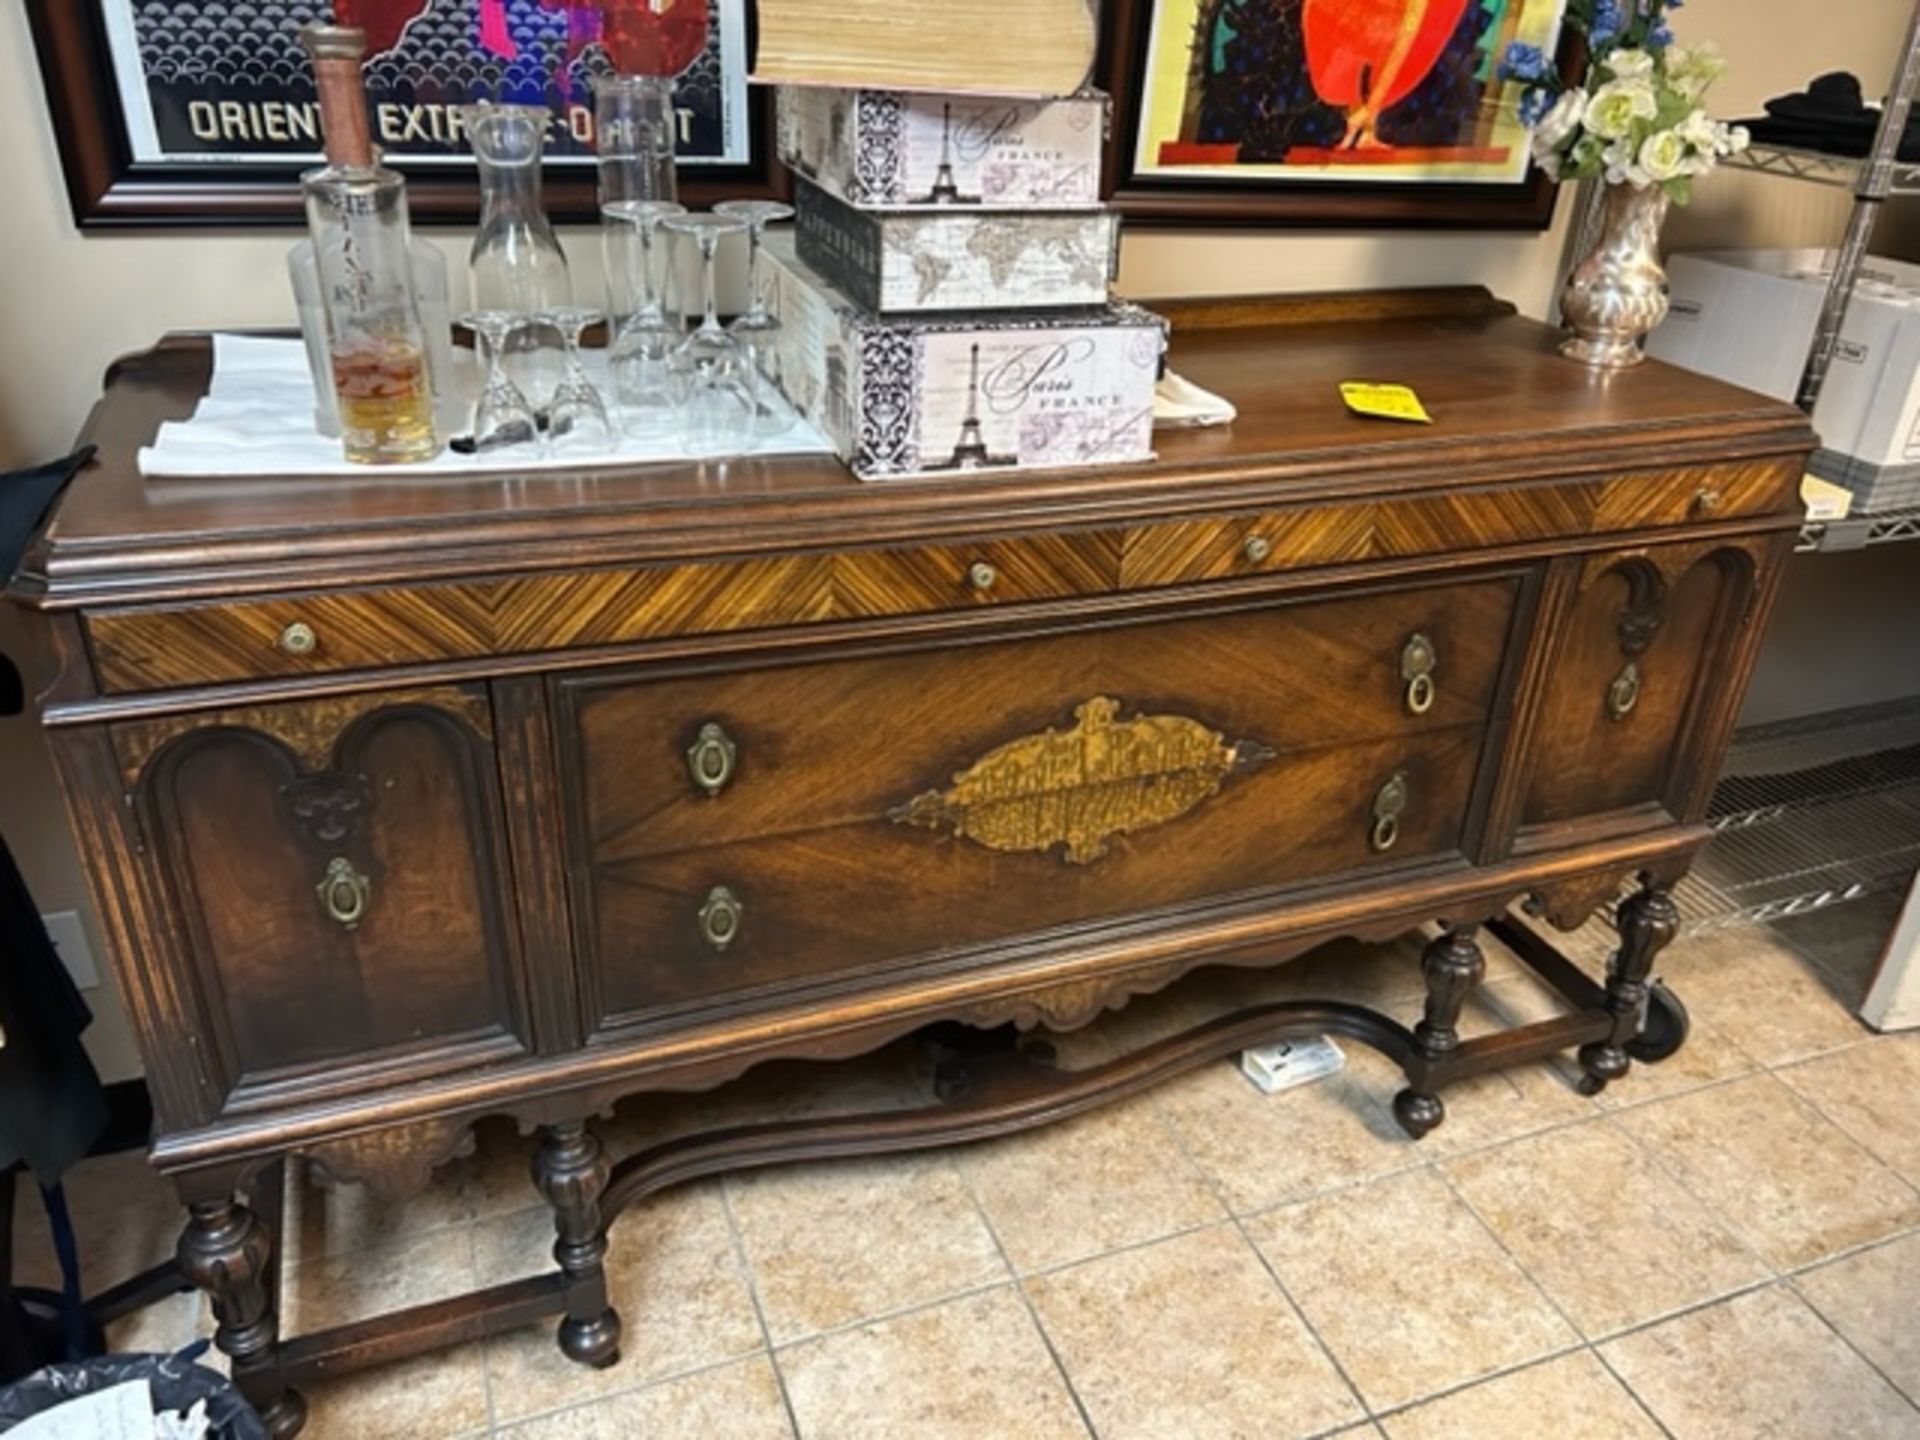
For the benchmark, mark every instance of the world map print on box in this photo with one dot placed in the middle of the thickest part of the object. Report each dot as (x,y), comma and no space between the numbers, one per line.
(225,81)
(1337,90)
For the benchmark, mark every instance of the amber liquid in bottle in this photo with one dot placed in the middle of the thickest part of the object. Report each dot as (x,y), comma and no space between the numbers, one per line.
(358,214)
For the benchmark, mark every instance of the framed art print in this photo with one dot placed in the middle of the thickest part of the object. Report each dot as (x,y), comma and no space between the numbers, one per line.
(1352,112)
(203,111)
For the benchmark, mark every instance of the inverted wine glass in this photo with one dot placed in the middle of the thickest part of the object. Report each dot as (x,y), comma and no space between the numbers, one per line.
(758,325)
(641,355)
(502,416)
(577,418)
(715,368)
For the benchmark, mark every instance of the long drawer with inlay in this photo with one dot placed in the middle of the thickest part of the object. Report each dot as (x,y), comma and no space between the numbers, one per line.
(753,832)
(155,648)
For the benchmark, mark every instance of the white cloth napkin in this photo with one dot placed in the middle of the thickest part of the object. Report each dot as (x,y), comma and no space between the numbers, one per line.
(257,419)
(1179,404)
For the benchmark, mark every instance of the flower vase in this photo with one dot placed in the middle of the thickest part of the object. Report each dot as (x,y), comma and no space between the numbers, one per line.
(1619,292)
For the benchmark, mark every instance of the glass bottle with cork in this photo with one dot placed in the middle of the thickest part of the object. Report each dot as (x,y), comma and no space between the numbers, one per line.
(377,353)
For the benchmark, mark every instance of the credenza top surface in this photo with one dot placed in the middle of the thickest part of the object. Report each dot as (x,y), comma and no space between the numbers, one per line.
(1505,407)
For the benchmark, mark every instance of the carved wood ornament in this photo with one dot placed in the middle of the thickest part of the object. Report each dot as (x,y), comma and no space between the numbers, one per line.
(1081,786)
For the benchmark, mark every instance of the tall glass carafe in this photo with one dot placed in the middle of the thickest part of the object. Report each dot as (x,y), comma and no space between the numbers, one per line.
(633,136)
(357,215)
(517,264)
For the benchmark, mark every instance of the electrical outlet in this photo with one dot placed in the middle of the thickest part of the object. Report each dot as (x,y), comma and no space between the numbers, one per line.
(70,939)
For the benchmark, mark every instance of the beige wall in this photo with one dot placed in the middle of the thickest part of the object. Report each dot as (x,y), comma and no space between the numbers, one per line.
(70,303)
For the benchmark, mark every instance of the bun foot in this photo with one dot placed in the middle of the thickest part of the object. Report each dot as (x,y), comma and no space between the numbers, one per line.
(286,1416)
(1418,1114)
(592,1342)
(1603,1063)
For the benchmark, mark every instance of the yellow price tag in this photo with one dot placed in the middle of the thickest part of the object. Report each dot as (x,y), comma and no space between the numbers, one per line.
(1384,402)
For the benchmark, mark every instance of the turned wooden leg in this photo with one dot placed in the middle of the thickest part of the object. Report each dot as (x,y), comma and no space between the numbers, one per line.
(1452,965)
(1647,920)
(225,1251)
(571,1171)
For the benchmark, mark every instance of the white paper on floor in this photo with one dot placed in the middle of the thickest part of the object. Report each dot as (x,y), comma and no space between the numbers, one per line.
(257,419)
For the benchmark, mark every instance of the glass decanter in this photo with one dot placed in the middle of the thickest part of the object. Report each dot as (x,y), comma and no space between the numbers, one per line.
(633,134)
(517,264)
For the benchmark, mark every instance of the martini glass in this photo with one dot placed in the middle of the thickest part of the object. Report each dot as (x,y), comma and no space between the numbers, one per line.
(502,418)
(577,419)
(715,368)
(641,356)
(758,326)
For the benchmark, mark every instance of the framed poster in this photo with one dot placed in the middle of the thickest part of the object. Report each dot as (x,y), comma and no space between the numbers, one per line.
(202,112)
(1332,112)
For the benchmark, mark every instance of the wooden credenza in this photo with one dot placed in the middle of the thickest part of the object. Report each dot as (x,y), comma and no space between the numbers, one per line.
(410,804)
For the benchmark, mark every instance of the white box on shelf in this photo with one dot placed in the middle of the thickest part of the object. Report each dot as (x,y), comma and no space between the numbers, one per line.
(936,394)
(1748,316)
(890,149)
(912,262)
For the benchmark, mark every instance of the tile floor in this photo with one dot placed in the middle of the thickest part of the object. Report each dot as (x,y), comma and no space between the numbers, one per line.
(1727,1245)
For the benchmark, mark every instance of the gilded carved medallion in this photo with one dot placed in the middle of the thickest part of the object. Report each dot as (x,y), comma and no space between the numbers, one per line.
(1079,786)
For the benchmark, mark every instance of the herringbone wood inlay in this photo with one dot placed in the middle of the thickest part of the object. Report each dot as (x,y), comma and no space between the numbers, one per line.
(365,629)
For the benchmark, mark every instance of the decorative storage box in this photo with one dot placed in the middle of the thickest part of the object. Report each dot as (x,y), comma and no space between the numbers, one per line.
(884,148)
(914,261)
(919,396)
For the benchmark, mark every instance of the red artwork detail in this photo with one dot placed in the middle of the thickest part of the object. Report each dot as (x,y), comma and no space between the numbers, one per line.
(383,20)
(653,37)
(1374,52)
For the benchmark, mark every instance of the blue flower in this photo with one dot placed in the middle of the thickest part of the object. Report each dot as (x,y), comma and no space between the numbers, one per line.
(1534,105)
(1524,62)
(1660,36)
(1608,22)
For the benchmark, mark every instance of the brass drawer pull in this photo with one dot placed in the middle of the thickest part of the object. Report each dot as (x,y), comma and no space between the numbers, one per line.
(720,917)
(1256,548)
(982,576)
(1387,806)
(298,639)
(1417,661)
(344,893)
(711,758)
(1624,693)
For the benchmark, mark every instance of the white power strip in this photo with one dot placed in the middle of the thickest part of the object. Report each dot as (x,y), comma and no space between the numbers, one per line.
(1291,1063)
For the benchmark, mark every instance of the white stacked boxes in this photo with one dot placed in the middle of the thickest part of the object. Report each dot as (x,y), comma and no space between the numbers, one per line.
(944,295)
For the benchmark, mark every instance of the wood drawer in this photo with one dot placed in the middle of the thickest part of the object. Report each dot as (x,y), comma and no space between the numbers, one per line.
(869,811)
(142,648)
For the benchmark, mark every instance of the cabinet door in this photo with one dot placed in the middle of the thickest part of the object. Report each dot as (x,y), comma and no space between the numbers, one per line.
(1651,659)
(339,871)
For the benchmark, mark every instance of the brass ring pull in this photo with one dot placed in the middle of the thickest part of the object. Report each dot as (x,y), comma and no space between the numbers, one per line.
(1256,548)
(1418,659)
(720,917)
(711,758)
(1387,808)
(1624,693)
(981,575)
(298,639)
(344,893)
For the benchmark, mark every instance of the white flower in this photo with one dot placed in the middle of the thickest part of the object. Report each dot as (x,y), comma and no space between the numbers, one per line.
(1663,155)
(1617,104)
(1701,131)
(1560,122)
(1622,165)
(1736,139)
(1629,64)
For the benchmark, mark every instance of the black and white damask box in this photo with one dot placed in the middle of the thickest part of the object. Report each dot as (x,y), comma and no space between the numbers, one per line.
(901,396)
(885,148)
(909,262)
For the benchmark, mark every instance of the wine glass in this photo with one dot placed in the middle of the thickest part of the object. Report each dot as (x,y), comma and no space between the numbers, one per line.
(715,369)
(577,419)
(641,355)
(502,417)
(758,325)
